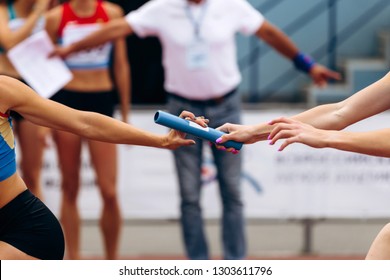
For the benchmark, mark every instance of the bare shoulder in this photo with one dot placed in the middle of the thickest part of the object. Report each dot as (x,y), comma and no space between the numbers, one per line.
(113,10)
(11,92)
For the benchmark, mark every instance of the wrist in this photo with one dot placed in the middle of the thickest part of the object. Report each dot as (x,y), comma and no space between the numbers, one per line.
(163,141)
(261,132)
(303,62)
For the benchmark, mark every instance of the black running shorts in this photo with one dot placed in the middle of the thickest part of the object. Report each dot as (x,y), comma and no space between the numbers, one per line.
(98,102)
(28,225)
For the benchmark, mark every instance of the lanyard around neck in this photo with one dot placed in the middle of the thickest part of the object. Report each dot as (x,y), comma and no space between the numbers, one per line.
(196,22)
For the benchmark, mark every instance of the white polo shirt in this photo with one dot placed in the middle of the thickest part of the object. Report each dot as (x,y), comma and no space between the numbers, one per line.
(174,22)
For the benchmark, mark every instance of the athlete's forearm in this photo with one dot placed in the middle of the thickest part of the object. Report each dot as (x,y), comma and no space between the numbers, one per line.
(110,31)
(369,101)
(374,143)
(278,40)
(323,117)
(328,116)
(22,99)
(102,128)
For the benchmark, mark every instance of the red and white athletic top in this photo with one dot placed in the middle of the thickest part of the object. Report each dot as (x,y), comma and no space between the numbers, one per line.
(74,28)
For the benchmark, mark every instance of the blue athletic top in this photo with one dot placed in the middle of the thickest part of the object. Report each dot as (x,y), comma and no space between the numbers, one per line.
(7,148)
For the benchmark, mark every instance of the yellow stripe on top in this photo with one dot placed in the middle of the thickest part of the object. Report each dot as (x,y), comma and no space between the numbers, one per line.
(6,131)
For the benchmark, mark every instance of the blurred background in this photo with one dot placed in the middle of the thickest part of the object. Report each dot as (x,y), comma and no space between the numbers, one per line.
(332,214)
(348,35)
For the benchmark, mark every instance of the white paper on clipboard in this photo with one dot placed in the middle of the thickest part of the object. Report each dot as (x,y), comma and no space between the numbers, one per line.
(30,58)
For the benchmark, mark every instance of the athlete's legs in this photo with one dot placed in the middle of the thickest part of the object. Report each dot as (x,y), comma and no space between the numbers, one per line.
(9,252)
(380,248)
(104,160)
(31,143)
(69,151)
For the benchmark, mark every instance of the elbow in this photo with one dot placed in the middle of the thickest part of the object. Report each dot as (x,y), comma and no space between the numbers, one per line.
(340,116)
(89,126)
(85,126)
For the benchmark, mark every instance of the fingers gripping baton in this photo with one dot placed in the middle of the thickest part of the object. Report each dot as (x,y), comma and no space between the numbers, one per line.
(207,133)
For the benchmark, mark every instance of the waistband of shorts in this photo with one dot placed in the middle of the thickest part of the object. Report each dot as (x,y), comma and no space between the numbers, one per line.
(14,204)
(207,102)
(69,91)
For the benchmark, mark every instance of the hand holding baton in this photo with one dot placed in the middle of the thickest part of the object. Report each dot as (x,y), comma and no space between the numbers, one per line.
(207,133)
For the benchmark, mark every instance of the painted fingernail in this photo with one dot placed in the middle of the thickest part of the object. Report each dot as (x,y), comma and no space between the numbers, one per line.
(269,137)
(234,152)
(222,148)
(219,140)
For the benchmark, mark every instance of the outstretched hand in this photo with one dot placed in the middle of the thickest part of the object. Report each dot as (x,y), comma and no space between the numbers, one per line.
(321,75)
(236,132)
(176,139)
(294,131)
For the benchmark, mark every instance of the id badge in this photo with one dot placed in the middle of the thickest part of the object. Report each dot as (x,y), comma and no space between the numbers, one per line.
(197,56)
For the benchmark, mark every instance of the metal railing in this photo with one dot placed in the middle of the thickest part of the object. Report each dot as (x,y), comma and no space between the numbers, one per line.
(326,50)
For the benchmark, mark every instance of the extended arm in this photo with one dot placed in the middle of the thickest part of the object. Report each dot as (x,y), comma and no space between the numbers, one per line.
(369,101)
(373,143)
(20,98)
(110,31)
(279,41)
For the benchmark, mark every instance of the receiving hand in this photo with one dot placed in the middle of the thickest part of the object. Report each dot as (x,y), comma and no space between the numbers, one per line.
(236,132)
(297,132)
(176,139)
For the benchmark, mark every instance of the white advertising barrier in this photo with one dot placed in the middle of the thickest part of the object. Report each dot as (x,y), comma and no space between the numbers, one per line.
(299,182)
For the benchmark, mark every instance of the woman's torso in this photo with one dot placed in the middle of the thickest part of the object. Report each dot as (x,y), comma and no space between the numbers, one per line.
(10,182)
(90,68)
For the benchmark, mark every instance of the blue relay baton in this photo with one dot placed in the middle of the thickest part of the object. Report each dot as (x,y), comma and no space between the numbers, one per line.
(207,133)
